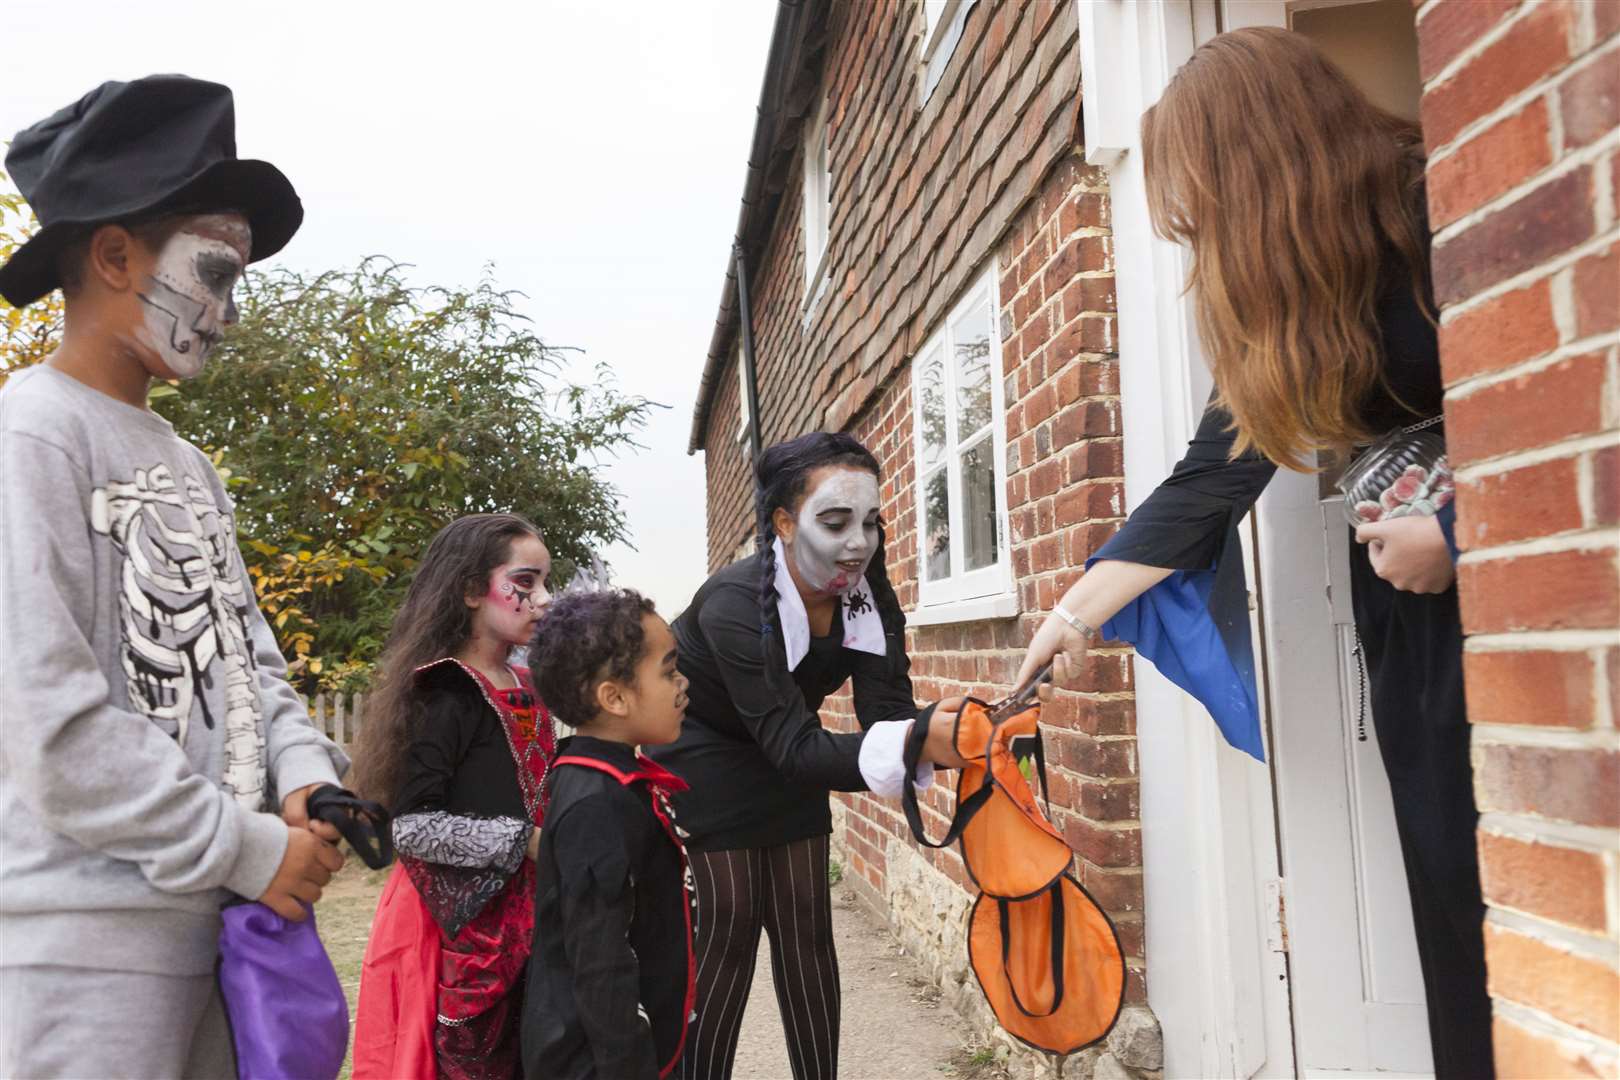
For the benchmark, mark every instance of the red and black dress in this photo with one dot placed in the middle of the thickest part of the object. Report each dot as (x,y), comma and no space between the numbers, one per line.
(452,935)
(612,982)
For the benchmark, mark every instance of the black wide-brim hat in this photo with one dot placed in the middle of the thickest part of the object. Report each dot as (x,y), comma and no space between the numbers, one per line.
(133,150)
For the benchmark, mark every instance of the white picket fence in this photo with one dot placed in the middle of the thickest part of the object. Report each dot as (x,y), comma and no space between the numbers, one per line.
(337,716)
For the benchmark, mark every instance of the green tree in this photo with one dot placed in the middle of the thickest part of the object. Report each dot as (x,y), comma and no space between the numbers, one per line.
(28,334)
(354,415)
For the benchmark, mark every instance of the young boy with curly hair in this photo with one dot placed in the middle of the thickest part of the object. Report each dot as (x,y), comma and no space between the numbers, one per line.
(611,976)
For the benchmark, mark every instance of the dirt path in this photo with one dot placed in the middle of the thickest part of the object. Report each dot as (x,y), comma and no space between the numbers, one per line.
(894,1028)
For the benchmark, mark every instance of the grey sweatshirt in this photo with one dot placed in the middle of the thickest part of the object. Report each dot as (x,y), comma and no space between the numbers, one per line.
(146,724)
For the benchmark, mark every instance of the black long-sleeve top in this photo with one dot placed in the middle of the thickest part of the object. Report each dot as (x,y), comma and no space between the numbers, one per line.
(753,749)
(610,971)
(459,812)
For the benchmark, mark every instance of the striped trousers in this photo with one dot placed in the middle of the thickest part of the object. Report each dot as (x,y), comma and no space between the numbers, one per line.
(782,890)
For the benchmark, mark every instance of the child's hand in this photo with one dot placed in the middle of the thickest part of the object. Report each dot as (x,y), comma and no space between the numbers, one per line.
(532,851)
(295,812)
(308,864)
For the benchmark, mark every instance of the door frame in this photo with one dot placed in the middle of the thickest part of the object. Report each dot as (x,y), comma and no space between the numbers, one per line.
(1217,970)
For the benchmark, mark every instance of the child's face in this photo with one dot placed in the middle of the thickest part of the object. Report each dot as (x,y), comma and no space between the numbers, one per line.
(835,533)
(657,699)
(185,289)
(516,595)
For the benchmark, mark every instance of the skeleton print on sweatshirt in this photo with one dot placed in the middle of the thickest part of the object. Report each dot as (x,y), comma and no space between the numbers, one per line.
(184,610)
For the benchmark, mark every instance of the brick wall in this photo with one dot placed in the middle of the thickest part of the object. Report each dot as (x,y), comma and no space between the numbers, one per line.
(1065,497)
(920,198)
(1520,110)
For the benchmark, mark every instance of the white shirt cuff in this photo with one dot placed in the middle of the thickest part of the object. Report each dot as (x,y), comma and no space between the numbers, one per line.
(882,759)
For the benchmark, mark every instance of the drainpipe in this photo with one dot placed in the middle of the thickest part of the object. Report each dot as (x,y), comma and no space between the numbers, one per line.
(745,327)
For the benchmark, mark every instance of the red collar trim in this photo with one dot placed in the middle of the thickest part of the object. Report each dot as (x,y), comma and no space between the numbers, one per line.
(647,769)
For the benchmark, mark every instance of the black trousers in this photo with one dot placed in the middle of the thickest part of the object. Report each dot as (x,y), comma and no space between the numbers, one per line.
(1413,647)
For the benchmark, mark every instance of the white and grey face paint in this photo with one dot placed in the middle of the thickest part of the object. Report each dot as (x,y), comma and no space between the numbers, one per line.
(837,531)
(187,298)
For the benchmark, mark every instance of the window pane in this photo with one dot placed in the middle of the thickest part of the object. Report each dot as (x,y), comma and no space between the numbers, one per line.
(972,338)
(979,505)
(937,519)
(931,386)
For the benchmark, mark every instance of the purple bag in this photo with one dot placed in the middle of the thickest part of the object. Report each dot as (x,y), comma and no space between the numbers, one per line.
(289,1019)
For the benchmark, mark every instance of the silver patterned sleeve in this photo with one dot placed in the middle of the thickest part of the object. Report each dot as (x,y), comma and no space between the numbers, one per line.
(472,843)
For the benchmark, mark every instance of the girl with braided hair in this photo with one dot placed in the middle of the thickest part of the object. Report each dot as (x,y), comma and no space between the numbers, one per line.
(763,643)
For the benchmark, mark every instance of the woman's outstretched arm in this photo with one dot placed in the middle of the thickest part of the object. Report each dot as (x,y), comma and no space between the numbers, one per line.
(1093,600)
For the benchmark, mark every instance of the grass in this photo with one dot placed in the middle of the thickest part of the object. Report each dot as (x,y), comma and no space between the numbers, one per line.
(835,871)
(344,917)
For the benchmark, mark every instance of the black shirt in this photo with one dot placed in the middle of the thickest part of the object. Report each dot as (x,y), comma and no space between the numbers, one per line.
(753,749)
(610,976)
(460,760)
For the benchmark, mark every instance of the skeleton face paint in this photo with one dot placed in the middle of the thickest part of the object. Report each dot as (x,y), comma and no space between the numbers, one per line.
(837,532)
(187,298)
(517,594)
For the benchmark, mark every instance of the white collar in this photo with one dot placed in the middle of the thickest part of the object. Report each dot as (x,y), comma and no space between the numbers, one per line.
(863,626)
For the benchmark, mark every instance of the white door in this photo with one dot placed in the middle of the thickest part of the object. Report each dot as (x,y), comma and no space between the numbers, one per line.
(1355,985)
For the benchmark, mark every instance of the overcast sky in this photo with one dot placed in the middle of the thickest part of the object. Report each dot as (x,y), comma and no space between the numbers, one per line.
(592,151)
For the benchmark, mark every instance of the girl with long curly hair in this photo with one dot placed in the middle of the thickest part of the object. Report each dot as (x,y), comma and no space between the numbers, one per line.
(457,745)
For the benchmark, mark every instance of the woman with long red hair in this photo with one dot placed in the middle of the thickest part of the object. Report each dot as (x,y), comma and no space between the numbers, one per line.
(1303,206)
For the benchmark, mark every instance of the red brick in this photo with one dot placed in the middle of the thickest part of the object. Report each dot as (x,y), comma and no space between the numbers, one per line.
(1451,26)
(1597,293)
(1103,846)
(1605,20)
(1499,333)
(1087,502)
(1095,459)
(1064,265)
(1095,254)
(1086,210)
(1540,687)
(1536,46)
(1556,591)
(1548,221)
(1577,786)
(1605,487)
(1495,161)
(1109,802)
(1091,294)
(1577,989)
(1524,1054)
(1551,882)
(1531,410)
(1536,500)
(1116,892)
(1589,101)
(1086,420)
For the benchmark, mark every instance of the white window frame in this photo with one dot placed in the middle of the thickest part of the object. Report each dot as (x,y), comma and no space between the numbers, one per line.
(817,211)
(989,592)
(942,30)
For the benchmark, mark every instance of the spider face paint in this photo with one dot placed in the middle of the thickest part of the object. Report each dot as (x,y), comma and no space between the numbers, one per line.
(837,531)
(187,298)
(517,595)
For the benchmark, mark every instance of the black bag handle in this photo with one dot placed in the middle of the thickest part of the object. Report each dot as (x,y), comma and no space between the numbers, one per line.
(1056,892)
(965,808)
(363,823)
